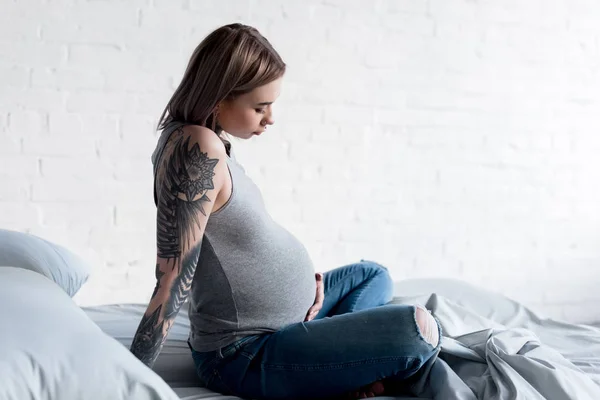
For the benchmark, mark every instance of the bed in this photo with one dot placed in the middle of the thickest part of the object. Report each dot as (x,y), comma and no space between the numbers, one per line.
(493,347)
(50,348)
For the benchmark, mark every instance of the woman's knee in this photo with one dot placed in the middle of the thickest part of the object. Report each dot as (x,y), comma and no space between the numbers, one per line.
(374,269)
(372,265)
(380,273)
(427,325)
(409,331)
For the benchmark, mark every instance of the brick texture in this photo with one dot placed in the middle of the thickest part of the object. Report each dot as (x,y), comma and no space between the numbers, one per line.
(442,138)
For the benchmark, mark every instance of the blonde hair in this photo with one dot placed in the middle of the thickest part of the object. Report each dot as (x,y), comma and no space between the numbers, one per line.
(231,61)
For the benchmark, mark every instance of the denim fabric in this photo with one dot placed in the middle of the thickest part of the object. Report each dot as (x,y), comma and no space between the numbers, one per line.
(356,339)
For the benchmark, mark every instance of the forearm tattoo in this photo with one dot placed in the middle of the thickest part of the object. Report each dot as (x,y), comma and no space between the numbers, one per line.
(183,283)
(149,337)
(186,177)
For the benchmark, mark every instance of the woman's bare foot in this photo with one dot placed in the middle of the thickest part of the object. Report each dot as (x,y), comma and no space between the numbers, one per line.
(365,392)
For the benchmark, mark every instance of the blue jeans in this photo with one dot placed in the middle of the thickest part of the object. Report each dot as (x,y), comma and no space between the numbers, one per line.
(356,339)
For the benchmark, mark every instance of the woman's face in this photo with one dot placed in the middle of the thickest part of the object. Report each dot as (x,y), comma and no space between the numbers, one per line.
(249,114)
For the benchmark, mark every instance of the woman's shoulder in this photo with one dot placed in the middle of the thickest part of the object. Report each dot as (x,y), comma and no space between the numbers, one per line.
(207,140)
(192,148)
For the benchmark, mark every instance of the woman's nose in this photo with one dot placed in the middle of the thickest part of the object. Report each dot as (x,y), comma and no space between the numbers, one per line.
(269,118)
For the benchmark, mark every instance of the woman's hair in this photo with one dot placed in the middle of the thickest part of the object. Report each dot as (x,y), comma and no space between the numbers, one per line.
(231,61)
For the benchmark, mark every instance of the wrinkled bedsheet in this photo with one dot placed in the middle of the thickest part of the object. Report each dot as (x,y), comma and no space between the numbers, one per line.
(495,348)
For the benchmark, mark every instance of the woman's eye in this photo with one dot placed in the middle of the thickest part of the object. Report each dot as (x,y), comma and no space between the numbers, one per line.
(260,110)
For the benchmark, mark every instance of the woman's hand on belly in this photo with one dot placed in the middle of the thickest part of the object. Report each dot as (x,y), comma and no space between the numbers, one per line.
(320,296)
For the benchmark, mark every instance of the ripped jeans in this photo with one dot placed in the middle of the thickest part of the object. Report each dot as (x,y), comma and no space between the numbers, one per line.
(356,339)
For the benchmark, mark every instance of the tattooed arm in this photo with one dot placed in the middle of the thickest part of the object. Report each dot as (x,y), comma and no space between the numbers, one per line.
(190,177)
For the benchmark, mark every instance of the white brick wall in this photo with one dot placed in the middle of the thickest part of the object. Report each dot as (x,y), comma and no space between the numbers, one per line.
(445,138)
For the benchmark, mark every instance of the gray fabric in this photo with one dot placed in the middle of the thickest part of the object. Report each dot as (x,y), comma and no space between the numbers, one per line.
(253,276)
(495,348)
(22,250)
(50,349)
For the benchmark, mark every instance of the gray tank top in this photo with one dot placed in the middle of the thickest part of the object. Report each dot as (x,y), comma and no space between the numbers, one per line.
(253,275)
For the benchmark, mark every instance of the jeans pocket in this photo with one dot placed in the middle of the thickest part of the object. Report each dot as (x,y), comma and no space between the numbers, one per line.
(233,348)
(229,350)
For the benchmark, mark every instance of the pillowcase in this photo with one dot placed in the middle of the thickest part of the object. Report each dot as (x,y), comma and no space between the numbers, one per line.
(50,349)
(22,250)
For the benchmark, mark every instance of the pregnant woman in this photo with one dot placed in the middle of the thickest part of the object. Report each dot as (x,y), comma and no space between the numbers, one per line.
(264,325)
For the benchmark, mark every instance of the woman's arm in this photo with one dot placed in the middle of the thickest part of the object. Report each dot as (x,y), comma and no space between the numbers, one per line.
(190,177)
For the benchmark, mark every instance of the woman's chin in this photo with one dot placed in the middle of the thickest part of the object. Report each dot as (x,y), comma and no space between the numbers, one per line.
(242,135)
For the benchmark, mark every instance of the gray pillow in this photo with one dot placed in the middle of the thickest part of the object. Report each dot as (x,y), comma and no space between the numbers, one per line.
(51,350)
(22,250)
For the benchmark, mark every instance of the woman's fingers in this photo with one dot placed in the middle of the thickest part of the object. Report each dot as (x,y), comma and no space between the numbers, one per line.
(320,296)
(309,315)
(312,313)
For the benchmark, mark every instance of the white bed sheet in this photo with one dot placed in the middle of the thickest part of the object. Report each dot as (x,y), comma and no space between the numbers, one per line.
(493,347)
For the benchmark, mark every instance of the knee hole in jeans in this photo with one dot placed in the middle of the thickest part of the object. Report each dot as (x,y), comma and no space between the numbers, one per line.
(428,326)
